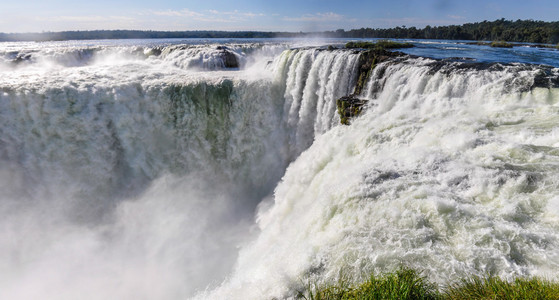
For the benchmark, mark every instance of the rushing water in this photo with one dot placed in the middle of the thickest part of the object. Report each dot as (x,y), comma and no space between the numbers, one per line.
(156,170)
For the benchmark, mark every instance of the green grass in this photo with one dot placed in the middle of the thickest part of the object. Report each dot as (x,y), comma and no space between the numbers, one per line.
(410,284)
(402,284)
(382,44)
(497,288)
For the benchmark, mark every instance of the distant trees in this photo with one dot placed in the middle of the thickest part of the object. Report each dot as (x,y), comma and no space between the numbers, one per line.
(137,34)
(527,31)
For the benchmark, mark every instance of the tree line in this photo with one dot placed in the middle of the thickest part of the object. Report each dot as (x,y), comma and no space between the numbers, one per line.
(526,31)
(138,34)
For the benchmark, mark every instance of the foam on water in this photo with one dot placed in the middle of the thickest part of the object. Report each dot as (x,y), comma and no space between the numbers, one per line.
(133,177)
(125,173)
(454,173)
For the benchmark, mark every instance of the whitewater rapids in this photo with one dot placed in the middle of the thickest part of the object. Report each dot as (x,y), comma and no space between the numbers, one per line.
(126,177)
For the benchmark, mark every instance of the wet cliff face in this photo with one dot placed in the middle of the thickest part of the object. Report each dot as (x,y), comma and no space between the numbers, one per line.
(351,105)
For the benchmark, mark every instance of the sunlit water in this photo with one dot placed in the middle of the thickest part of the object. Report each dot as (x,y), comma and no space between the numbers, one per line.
(145,169)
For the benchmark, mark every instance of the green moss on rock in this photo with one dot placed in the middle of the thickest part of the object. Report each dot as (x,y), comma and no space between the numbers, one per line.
(349,107)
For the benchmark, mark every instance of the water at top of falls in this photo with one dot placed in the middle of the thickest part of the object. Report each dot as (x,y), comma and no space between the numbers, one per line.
(192,53)
(145,165)
(159,170)
(451,170)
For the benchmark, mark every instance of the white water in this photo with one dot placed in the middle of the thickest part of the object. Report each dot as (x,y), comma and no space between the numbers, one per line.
(131,176)
(126,177)
(452,174)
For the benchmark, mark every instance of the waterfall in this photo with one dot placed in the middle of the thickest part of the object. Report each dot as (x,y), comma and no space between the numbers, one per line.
(131,173)
(168,172)
(451,170)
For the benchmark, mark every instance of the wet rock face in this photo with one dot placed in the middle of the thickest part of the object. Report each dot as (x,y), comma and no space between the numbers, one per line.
(368,61)
(349,107)
(229,58)
(154,52)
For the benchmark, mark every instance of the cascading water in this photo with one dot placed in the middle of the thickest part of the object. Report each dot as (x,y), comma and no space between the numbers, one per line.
(452,170)
(313,80)
(135,171)
(131,174)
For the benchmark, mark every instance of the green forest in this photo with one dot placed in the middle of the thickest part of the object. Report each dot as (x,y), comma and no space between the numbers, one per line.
(136,34)
(526,31)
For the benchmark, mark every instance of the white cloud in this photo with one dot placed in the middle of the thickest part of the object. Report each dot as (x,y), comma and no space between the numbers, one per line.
(77,22)
(177,13)
(216,20)
(210,16)
(455,17)
(317,17)
(252,15)
(236,13)
(85,19)
(393,22)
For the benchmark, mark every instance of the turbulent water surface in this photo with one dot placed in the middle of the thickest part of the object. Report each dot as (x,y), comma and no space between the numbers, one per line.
(218,169)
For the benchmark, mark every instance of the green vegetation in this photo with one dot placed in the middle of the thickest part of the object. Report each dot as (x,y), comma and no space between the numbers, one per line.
(383,44)
(497,288)
(386,44)
(349,107)
(363,45)
(139,34)
(410,284)
(501,44)
(403,284)
(524,31)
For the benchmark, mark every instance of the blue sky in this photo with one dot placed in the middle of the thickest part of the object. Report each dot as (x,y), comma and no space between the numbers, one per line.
(283,15)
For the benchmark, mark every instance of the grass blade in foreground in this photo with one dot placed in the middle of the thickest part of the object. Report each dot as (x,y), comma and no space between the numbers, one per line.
(402,284)
(497,288)
(409,284)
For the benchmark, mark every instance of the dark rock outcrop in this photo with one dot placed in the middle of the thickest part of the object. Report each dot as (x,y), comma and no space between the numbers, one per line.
(156,51)
(351,106)
(368,61)
(229,58)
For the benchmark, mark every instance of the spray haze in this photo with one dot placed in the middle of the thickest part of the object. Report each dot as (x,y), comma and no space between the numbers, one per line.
(162,172)
(133,175)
